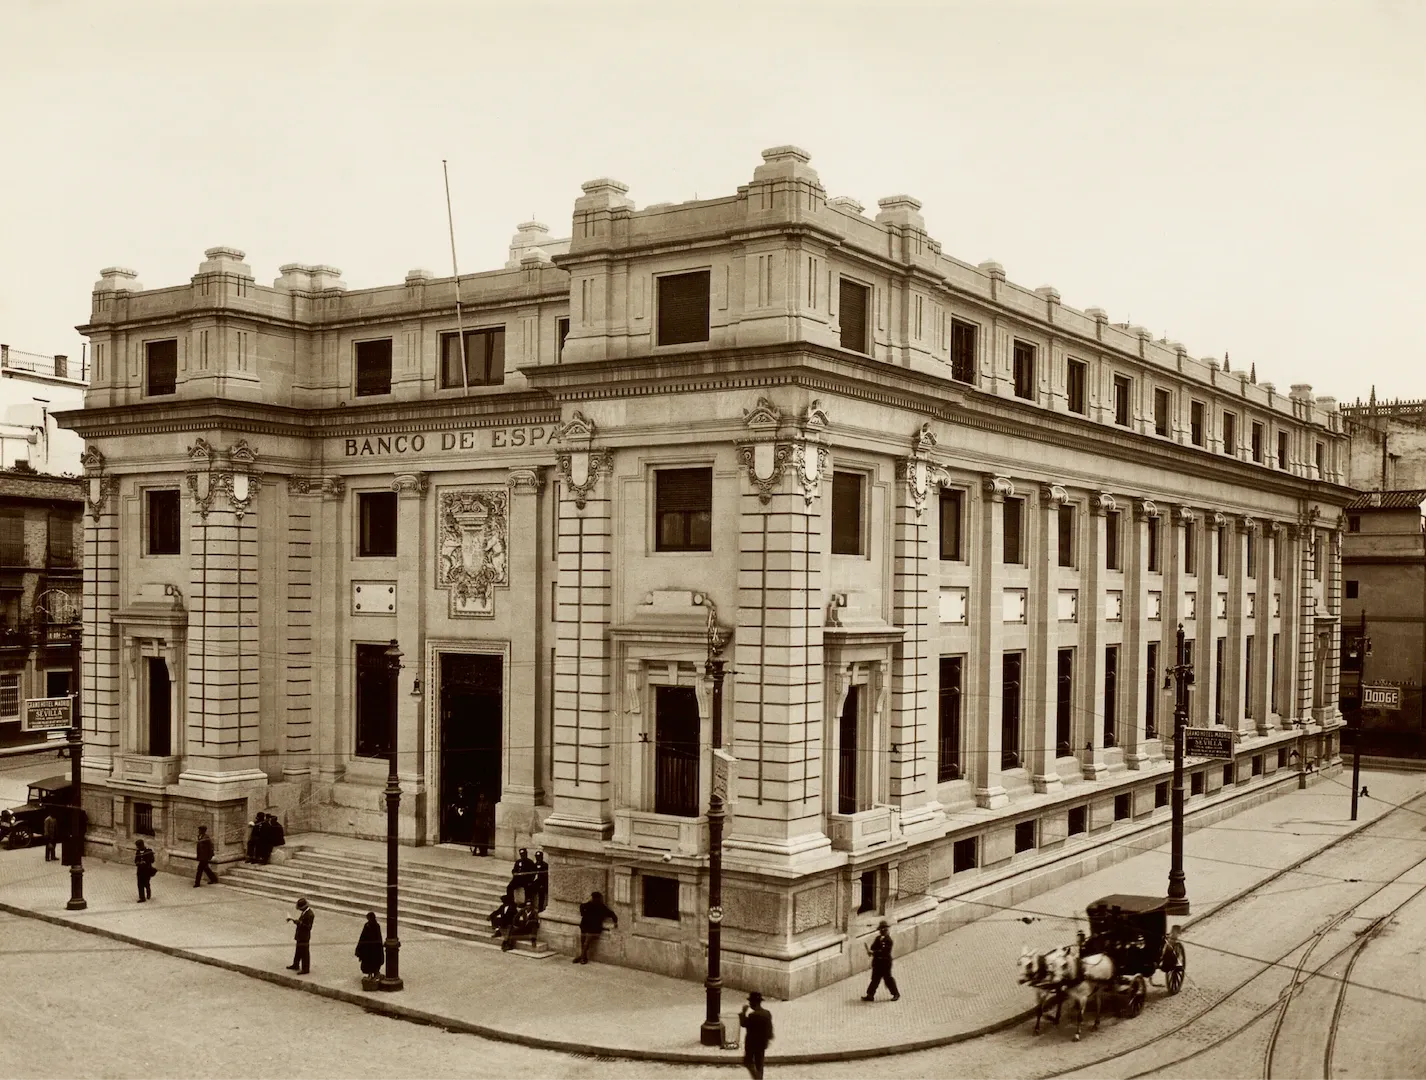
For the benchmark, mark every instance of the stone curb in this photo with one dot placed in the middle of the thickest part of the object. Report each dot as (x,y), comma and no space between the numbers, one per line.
(384,1006)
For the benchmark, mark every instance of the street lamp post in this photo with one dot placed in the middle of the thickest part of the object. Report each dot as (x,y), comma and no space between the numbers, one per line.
(75,741)
(1180,678)
(391,980)
(711,1033)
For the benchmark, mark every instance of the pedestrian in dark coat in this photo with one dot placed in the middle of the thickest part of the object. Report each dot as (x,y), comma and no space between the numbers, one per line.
(542,881)
(503,920)
(522,876)
(302,934)
(51,831)
(276,835)
(370,952)
(254,833)
(758,1023)
(143,870)
(879,949)
(205,858)
(593,914)
(483,825)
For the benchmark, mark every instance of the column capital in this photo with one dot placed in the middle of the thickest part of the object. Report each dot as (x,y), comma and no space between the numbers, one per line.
(1054,494)
(411,485)
(527,481)
(1218,519)
(998,488)
(1145,508)
(1246,523)
(323,486)
(1103,503)
(1185,516)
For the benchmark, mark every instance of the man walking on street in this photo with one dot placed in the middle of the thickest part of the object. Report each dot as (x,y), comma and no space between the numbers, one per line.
(302,955)
(51,829)
(758,1022)
(205,857)
(879,949)
(592,916)
(143,870)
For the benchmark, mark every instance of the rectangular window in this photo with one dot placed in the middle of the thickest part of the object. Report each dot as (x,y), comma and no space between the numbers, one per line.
(1230,774)
(1076,379)
(1282,449)
(9,695)
(373,367)
(1153,524)
(683,509)
(1320,455)
(1024,836)
(1064,704)
(1123,806)
(1161,793)
(562,333)
(1190,548)
(484,358)
(61,539)
(1354,523)
(1078,820)
(1024,371)
(1248,677)
(1272,677)
(1257,767)
(676,755)
(1111,540)
(1122,390)
(57,683)
(378,524)
(161,367)
(1195,783)
(964,855)
(1065,526)
(1257,442)
(143,819)
(683,307)
(868,904)
(12,537)
(964,337)
(164,532)
(952,512)
(1351,586)
(1230,434)
(1010,709)
(1277,556)
(847,513)
(1013,519)
(1151,691)
(375,682)
(1161,412)
(1317,559)
(949,737)
(1220,653)
(1195,423)
(660,897)
(1111,695)
(1220,550)
(854,315)
(851,795)
(1250,547)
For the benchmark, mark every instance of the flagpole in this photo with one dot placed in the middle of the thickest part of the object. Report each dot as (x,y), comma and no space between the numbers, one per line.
(460,319)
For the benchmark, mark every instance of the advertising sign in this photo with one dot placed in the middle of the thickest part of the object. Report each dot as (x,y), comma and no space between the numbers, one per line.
(47,714)
(1208,742)
(1381,697)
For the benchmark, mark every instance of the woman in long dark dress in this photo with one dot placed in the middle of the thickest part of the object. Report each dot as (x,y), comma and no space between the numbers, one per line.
(370,952)
(483,836)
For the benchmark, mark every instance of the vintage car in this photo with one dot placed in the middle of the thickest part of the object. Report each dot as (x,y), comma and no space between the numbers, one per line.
(27,823)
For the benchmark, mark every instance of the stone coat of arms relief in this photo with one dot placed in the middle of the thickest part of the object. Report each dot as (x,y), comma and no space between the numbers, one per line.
(472,537)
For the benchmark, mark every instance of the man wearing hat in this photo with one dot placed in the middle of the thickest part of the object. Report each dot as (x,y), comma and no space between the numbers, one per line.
(879,949)
(758,1022)
(302,955)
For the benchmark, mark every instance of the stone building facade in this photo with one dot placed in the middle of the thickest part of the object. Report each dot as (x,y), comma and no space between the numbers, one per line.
(948,524)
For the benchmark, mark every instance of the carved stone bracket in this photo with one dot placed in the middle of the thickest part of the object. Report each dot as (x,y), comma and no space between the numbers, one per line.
(529,481)
(1272,528)
(1186,516)
(98,486)
(1146,508)
(411,485)
(579,470)
(916,473)
(717,634)
(998,488)
(1054,494)
(1219,520)
(810,460)
(1103,503)
(230,472)
(765,462)
(633,679)
(1247,524)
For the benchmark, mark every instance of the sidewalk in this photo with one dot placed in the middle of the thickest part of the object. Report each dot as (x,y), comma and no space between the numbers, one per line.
(963,985)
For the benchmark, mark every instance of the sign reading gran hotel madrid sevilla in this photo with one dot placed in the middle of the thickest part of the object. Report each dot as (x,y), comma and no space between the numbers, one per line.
(943,529)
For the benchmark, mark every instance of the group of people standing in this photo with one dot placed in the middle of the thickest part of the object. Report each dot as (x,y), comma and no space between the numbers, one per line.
(265,832)
(519,912)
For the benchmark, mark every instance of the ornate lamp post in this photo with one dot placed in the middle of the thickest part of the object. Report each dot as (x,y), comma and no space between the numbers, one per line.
(1179,678)
(711,1033)
(74,848)
(391,980)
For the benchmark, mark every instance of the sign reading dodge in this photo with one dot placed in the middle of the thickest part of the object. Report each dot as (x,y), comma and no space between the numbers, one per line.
(1207,742)
(47,714)
(1382,697)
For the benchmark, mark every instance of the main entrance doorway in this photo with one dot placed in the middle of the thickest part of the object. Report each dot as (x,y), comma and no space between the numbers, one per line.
(472,717)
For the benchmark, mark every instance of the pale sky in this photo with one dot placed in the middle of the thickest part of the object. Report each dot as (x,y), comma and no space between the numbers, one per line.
(1246,177)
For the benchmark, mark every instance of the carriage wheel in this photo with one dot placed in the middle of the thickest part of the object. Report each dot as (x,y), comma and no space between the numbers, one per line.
(1138,990)
(1175,973)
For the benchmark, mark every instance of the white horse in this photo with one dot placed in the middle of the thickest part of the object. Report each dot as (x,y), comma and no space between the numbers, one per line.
(1062,974)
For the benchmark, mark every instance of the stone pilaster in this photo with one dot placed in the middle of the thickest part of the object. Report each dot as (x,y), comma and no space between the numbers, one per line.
(1306,619)
(99,706)
(913,709)
(525,752)
(1136,632)
(1087,725)
(1290,622)
(983,740)
(1038,697)
(1261,587)
(329,612)
(297,739)
(414,536)
(1234,649)
(1333,576)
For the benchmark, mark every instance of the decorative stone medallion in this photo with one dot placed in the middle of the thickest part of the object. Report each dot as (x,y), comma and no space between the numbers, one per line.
(472,538)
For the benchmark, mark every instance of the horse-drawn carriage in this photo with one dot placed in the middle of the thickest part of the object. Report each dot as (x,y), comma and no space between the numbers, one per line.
(1129,941)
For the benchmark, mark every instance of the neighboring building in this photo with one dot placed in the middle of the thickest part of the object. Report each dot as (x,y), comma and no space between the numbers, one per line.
(949,524)
(41,535)
(1384,582)
(33,387)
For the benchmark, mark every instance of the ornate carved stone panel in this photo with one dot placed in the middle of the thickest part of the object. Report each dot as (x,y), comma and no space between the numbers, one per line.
(812,908)
(472,538)
(749,909)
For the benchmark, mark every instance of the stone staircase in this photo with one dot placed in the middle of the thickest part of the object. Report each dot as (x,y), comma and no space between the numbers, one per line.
(453,901)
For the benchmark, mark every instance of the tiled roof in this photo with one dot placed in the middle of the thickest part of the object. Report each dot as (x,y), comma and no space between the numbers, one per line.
(1409,499)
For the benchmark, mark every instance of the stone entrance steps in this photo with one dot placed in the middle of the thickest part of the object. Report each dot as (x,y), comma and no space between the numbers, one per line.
(446,900)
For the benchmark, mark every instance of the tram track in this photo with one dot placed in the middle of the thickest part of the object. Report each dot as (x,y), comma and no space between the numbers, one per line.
(1281,1002)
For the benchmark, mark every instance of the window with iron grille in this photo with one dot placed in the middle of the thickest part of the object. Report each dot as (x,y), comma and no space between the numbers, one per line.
(1111,695)
(143,819)
(852,313)
(1195,423)
(1065,525)
(847,513)
(378,511)
(1024,370)
(676,750)
(683,307)
(1122,391)
(484,358)
(9,695)
(374,679)
(1076,379)
(1111,540)
(1161,412)
(683,500)
(1151,691)
(660,897)
(12,538)
(948,765)
(964,337)
(1010,666)
(952,511)
(1013,513)
(164,533)
(1064,704)
(373,367)
(161,367)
